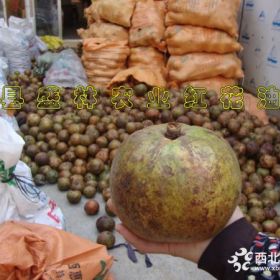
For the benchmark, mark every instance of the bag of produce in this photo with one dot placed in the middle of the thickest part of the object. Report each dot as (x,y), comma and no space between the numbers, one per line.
(148,56)
(215,83)
(198,66)
(141,74)
(88,15)
(251,103)
(103,59)
(183,39)
(147,30)
(29,251)
(66,71)
(16,49)
(20,200)
(26,27)
(118,12)
(44,62)
(4,114)
(217,14)
(104,30)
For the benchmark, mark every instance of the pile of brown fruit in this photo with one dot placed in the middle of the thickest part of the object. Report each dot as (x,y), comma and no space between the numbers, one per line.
(75,148)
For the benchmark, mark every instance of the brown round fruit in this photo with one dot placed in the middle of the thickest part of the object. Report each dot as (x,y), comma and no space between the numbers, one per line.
(91,207)
(74,197)
(89,191)
(105,223)
(42,159)
(63,184)
(95,166)
(81,152)
(107,239)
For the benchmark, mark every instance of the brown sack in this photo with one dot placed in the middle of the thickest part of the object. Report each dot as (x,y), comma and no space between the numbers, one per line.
(118,12)
(147,28)
(188,39)
(211,84)
(148,56)
(141,74)
(88,16)
(104,30)
(102,59)
(101,48)
(218,14)
(39,252)
(199,66)
(251,103)
(162,7)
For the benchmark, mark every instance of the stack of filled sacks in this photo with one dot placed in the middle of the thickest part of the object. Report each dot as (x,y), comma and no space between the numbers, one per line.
(146,39)
(201,37)
(105,44)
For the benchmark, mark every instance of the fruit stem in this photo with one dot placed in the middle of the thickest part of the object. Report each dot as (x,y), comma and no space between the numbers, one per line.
(173,130)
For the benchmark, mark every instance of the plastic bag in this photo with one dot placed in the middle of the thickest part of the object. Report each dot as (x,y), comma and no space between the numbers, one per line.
(6,115)
(16,49)
(188,39)
(147,30)
(142,74)
(26,27)
(198,66)
(29,251)
(118,12)
(148,56)
(104,30)
(103,59)
(217,14)
(4,70)
(66,71)
(44,62)
(19,198)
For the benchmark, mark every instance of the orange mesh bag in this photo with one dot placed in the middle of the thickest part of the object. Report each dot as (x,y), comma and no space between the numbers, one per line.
(148,56)
(104,30)
(211,84)
(251,103)
(162,6)
(188,39)
(88,16)
(147,26)
(103,59)
(199,66)
(30,251)
(118,12)
(218,14)
(142,74)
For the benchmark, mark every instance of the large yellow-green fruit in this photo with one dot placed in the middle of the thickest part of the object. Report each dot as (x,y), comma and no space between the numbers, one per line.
(175,183)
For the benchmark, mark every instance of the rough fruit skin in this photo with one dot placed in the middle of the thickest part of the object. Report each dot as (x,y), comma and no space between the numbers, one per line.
(179,190)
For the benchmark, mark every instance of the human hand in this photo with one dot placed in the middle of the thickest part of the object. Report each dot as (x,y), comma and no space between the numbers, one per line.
(190,251)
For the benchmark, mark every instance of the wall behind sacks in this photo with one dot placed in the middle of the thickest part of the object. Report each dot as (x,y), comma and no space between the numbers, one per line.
(260,37)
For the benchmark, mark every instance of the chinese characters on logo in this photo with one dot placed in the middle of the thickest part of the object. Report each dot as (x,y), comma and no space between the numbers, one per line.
(230,97)
(85,97)
(158,98)
(268,98)
(195,98)
(121,98)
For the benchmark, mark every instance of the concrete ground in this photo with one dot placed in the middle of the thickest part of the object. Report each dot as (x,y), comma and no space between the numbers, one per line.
(164,267)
